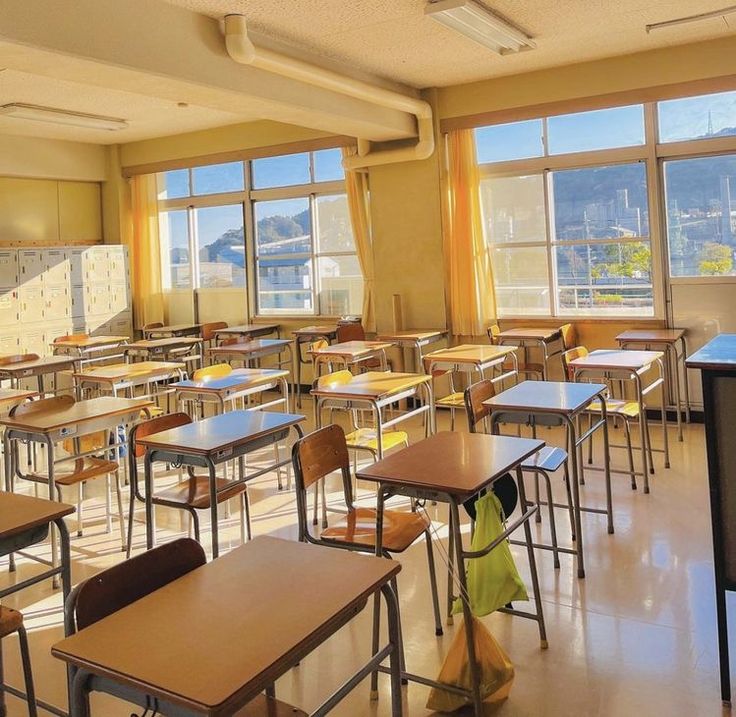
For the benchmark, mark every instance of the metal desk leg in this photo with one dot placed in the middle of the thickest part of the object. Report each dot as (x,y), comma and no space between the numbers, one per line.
(148,479)
(213,508)
(674,381)
(380,500)
(394,638)
(686,386)
(642,432)
(574,479)
(665,435)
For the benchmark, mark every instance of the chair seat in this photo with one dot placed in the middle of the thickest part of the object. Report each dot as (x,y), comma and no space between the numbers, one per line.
(80,470)
(263,706)
(548,459)
(454,400)
(615,406)
(367,439)
(400,529)
(152,412)
(195,492)
(10,621)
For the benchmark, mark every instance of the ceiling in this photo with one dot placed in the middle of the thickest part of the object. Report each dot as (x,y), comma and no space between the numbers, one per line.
(393,38)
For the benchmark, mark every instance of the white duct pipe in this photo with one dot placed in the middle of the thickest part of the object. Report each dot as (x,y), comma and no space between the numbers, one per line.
(242,50)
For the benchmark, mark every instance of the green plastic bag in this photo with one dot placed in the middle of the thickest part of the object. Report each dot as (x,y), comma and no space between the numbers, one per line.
(493,580)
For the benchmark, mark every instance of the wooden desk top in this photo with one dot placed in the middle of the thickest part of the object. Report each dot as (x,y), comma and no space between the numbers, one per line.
(174,328)
(249,329)
(546,396)
(530,334)
(14,395)
(718,353)
(249,347)
(251,625)
(315,331)
(167,342)
(470,353)
(79,412)
(238,380)
(451,462)
(221,432)
(644,336)
(352,349)
(123,371)
(373,385)
(90,342)
(413,335)
(612,359)
(46,364)
(19,513)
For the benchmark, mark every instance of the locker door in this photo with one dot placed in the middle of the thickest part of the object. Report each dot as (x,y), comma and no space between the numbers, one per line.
(31,303)
(57,305)
(9,308)
(118,298)
(96,265)
(117,263)
(57,267)
(77,294)
(33,341)
(97,300)
(76,267)
(9,268)
(9,343)
(32,266)
(122,326)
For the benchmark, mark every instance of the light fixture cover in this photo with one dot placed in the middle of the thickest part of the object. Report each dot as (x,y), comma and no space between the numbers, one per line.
(64,117)
(478,23)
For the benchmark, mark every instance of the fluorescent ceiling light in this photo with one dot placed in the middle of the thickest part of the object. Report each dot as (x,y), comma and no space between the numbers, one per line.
(693,18)
(56,116)
(476,22)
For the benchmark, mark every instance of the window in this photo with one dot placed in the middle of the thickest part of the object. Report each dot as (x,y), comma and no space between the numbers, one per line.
(175,255)
(305,251)
(599,129)
(693,118)
(516,140)
(701,231)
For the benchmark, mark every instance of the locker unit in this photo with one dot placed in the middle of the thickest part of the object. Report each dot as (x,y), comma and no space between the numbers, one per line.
(32,264)
(56,303)
(9,343)
(57,268)
(32,308)
(9,307)
(9,268)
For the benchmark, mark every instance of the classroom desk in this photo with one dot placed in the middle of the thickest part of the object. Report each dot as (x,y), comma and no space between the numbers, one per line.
(541,338)
(240,383)
(250,352)
(565,401)
(350,353)
(161,349)
(473,357)
(306,335)
(10,397)
(212,441)
(451,467)
(37,368)
(251,628)
(88,349)
(416,340)
(173,330)
(121,377)
(667,340)
(376,390)
(630,366)
(248,331)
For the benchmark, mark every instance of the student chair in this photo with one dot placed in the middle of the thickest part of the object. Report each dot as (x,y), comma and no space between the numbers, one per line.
(354,331)
(12,621)
(531,370)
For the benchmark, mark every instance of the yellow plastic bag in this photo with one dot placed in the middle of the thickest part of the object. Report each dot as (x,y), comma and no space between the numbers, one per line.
(496,671)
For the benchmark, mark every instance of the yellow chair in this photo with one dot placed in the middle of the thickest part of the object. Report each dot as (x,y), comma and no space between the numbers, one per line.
(217,370)
(455,400)
(525,369)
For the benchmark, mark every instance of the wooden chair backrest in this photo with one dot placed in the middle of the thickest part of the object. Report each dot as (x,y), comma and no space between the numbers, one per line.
(44,405)
(569,356)
(493,331)
(318,454)
(152,326)
(124,583)
(17,358)
(316,345)
(208,330)
(217,370)
(71,337)
(350,332)
(156,425)
(230,341)
(569,335)
(474,396)
(338,378)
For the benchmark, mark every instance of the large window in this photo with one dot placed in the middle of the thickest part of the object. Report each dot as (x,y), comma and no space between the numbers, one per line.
(566,205)
(300,241)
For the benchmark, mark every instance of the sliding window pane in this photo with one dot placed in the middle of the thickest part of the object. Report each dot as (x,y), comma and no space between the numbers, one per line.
(221,249)
(218,178)
(285,285)
(522,281)
(513,209)
(340,286)
(598,129)
(701,231)
(502,142)
(328,165)
(174,184)
(334,231)
(605,279)
(284,171)
(283,226)
(697,117)
(175,258)
(600,202)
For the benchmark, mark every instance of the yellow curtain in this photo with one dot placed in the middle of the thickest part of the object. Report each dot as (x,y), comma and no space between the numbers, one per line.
(472,297)
(356,185)
(145,252)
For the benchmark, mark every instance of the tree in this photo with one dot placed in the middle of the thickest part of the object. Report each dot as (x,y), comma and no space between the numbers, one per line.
(715,259)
